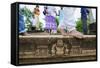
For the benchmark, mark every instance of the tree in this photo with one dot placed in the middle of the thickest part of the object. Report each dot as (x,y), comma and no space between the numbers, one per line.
(79,25)
(28,15)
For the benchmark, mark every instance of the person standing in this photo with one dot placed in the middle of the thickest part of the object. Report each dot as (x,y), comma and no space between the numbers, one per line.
(84,14)
(36,13)
(50,19)
(68,23)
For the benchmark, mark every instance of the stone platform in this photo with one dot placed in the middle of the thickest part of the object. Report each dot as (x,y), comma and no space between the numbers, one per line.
(56,48)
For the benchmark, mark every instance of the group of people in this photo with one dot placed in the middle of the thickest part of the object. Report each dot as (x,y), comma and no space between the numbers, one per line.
(67,24)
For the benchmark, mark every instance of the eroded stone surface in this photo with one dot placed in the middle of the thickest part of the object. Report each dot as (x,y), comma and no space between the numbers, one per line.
(56,46)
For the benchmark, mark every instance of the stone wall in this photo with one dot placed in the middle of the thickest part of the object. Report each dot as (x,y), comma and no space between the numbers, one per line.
(56,48)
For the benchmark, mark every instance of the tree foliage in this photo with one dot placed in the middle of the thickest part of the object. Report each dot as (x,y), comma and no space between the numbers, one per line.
(28,15)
